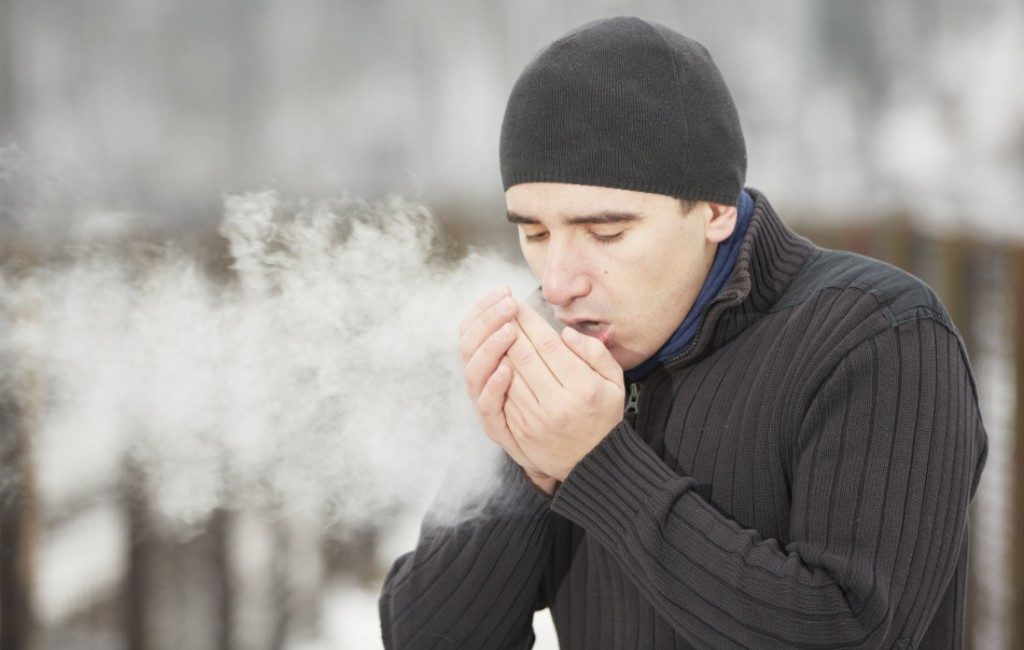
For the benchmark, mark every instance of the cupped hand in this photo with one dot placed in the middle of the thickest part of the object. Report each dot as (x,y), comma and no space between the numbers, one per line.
(565,396)
(485,336)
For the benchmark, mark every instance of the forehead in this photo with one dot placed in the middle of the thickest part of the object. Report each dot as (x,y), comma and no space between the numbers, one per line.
(555,202)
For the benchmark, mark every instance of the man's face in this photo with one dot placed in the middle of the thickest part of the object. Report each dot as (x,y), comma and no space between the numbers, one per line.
(622,266)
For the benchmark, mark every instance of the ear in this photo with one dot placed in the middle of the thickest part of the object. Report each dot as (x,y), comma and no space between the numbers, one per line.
(722,222)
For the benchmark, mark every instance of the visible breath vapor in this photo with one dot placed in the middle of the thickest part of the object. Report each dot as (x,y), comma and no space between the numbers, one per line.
(322,379)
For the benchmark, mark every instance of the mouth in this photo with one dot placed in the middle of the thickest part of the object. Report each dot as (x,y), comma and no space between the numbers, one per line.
(600,330)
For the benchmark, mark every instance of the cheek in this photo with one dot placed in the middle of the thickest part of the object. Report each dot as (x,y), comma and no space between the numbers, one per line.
(655,281)
(677,255)
(533,258)
(646,267)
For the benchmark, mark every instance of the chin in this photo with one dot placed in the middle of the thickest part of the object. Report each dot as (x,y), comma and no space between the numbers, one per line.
(626,359)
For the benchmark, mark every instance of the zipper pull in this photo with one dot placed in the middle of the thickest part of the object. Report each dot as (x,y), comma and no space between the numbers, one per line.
(633,402)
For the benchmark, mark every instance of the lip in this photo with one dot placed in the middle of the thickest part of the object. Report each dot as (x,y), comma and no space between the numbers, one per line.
(604,334)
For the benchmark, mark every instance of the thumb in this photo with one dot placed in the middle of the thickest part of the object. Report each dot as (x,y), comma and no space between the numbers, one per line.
(595,354)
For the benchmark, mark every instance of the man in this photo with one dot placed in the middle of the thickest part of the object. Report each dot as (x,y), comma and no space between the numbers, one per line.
(801,434)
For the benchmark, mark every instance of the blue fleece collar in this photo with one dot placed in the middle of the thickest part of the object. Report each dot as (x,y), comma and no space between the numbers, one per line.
(725,260)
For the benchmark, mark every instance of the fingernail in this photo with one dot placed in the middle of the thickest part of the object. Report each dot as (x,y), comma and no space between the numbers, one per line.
(507,305)
(571,334)
(507,330)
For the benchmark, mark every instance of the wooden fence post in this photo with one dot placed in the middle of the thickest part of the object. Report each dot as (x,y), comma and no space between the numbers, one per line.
(901,242)
(137,578)
(957,288)
(956,279)
(16,615)
(1015,574)
(17,505)
(220,530)
(860,237)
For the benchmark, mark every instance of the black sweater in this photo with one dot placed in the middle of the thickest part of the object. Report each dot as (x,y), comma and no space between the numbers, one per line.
(798,477)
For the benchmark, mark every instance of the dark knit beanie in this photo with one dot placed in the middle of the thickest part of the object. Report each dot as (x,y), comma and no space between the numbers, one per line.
(625,103)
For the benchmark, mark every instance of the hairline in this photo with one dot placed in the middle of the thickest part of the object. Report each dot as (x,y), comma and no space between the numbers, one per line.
(686,205)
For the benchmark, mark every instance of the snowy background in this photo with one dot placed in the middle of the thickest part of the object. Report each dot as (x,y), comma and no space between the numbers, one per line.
(236,238)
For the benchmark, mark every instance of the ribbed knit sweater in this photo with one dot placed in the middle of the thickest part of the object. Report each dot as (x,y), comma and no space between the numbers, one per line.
(798,477)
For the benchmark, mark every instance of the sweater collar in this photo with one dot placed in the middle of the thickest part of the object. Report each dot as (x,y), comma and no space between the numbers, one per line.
(770,256)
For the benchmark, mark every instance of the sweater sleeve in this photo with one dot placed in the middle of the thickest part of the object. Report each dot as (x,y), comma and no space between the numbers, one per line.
(884,464)
(474,585)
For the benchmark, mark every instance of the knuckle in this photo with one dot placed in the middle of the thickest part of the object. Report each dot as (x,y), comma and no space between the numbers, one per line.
(498,340)
(497,313)
(550,344)
(491,317)
(560,417)
(520,354)
(589,393)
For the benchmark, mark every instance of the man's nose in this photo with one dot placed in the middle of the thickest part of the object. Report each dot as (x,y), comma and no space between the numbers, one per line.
(564,278)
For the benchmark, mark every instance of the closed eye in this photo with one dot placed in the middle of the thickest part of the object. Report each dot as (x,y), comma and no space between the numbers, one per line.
(608,239)
(604,239)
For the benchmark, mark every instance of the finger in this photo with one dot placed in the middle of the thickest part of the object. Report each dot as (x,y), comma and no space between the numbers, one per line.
(481,305)
(529,365)
(521,424)
(523,396)
(516,421)
(491,407)
(493,394)
(485,360)
(516,428)
(595,354)
(485,325)
(566,366)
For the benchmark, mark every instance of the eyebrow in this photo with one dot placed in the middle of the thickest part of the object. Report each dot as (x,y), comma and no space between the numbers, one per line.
(596,218)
